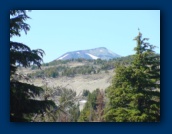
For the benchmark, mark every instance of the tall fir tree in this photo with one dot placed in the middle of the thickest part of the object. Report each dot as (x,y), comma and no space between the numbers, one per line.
(134,95)
(23,106)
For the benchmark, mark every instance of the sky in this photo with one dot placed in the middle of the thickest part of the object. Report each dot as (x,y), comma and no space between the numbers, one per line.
(61,31)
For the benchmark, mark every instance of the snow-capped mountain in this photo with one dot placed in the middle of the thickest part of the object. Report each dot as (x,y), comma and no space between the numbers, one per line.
(96,53)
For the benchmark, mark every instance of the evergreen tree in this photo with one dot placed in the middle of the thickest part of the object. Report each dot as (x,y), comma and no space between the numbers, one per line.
(88,114)
(69,109)
(133,95)
(23,106)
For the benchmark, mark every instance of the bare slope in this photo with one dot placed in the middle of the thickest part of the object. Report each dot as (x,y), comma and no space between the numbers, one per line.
(79,82)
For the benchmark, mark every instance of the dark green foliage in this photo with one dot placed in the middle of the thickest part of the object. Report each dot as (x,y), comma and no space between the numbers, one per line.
(68,104)
(62,67)
(133,95)
(17,24)
(20,53)
(22,103)
(75,113)
(108,66)
(93,109)
(68,107)
(63,71)
(127,60)
(51,72)
(85,93)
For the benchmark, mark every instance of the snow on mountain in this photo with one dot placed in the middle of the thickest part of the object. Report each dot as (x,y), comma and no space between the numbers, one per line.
(62,57)
(96,53)
(92,56)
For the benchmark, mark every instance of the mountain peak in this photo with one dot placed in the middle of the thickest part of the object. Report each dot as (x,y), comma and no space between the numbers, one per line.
(101,48)
(95,53)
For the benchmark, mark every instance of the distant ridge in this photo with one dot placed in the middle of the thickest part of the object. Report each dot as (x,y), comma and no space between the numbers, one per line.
(96,53)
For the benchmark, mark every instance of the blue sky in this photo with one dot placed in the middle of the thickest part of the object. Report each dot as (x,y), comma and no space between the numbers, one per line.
(61,31)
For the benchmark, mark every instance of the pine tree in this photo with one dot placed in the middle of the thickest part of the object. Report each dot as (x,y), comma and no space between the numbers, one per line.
(90,112)
(133,95)
(23,106)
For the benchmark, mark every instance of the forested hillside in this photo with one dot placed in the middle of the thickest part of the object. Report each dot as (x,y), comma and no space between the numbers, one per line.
(73,67)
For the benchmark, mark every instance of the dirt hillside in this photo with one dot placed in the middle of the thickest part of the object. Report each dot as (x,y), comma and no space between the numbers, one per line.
(79,82)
